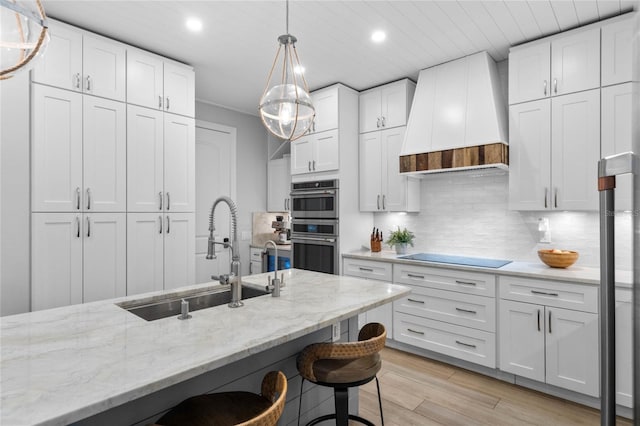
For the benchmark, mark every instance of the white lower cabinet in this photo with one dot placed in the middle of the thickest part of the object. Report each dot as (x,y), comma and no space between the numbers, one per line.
(624,337)
(255,267)
(543,340)
(161,251)
(77,258)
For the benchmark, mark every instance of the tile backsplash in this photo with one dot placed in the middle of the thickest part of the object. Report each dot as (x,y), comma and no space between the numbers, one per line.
(467,213)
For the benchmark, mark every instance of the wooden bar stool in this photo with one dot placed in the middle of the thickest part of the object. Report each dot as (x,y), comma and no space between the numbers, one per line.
(342,366)
(232,408)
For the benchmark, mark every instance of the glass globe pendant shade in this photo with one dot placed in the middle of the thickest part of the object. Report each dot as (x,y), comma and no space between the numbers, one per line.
(23,35)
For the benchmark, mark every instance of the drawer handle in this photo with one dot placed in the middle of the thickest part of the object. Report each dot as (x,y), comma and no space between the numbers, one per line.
(538,319)
(469,345)
(466,310)
(416,276)
(415,301)
(544,293)
(466,282)
(549,322)
(416,332)
(365,269)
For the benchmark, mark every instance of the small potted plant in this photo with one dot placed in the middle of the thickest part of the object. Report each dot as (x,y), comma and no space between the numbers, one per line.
(400,239)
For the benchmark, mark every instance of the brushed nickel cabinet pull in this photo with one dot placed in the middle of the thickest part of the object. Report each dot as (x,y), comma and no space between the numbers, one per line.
(77,226)
(555,198)
(383,121)
(160,198)
(77,198)
(168,103)
(309,165)
(543,293)
(168,225)
(384,199)
(469,345)
(415,301)
(160,220)
(314,165)
(378,123)
(555,85)
(466,282)
(415,331)
(88,83)
(416,276)
(168,201)
(545,87)
(378,201)
(88,198)
(365,269)
(159,101)
(466,310)
(546,194)
(538,319)
(88,226)
(549,322)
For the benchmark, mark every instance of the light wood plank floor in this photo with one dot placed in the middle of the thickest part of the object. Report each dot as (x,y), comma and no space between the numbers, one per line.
(422,392)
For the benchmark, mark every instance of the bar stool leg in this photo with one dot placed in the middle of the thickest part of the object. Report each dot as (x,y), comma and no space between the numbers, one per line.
(341,396)
(379,400)
(300,399)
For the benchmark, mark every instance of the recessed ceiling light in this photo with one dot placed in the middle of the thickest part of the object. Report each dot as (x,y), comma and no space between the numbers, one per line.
(378,36)
(194,24)
(298,69)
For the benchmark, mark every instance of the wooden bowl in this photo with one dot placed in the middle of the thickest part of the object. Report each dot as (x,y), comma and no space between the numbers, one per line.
(558,260)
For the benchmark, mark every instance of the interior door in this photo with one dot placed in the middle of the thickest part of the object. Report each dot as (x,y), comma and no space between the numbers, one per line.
(215,177)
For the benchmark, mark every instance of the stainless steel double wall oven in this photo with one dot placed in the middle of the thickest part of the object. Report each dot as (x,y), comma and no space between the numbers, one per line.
(314,226)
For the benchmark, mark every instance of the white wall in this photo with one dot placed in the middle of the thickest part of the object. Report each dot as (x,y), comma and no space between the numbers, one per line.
(467,213)
(251,189)
(14,195)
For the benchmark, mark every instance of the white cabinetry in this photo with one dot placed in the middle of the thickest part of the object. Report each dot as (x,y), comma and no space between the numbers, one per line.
(561,65)
(157,83)
(386,106)
(255,267)
(617,52)
(279,184)
(66,128)
(624,351)
(549,333)
(550,141)
(161,251)
(325,102)
(316,152)
(382,188)
(77,258)
(160,161)
(449,312)
(378,271)
(83,62)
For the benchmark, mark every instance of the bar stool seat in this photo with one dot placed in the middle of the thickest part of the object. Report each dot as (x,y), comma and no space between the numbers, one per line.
(341,366)
(232,408)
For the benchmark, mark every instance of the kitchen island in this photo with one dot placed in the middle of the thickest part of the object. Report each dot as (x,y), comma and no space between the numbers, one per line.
(63,365)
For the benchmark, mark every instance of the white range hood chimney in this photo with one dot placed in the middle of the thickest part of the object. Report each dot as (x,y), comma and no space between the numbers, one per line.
(458,119)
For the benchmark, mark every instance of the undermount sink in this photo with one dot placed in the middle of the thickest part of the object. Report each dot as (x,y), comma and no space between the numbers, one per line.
(170,305)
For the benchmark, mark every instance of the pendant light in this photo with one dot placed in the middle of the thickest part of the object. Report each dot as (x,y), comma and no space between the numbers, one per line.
(285,107)
(23,35)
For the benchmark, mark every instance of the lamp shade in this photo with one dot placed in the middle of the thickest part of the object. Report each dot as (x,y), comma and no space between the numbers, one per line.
(286,110)
(23,35)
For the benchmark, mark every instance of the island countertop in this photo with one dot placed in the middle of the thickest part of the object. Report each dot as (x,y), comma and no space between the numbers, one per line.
(65,364)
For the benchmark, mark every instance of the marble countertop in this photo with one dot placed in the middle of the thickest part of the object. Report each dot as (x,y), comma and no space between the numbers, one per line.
(65,364)
(577,274)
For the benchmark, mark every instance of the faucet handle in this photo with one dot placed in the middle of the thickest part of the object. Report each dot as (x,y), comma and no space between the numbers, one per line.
(224,278)
(282,279)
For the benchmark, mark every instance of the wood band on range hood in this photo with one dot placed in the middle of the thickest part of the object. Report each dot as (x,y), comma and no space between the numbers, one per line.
(471,157)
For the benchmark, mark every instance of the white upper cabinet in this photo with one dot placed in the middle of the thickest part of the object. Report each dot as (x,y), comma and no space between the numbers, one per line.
(279,184)
(56,150)
(105,155)
(386,106)
(179,163)
(83,62)
(156,83)
(565,64)
(616,52)
(325,103)
(316,152)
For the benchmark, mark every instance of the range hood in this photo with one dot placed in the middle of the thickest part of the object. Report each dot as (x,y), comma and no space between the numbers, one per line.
(458,119)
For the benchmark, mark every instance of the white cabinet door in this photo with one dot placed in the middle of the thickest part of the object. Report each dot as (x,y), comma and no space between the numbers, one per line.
(617,52)
(103,67)
(278,185)
(575,62)
(145,258)
(179,250)
(179,163)
(521,339)
(144,79)
(326,105)
(61,66)
(572,350)
(302,155)
(529,69)
(617,129)
(56,154)
(370,111)
(56,260)
(575,135)
(394,105)
(105,155)
(326,152)
(394,186)
(624,360)
(179,89)
(530,155)
(370,171)
(104,256)
(145,157)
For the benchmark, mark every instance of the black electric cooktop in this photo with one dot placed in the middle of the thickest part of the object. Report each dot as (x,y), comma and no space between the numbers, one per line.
(457,260)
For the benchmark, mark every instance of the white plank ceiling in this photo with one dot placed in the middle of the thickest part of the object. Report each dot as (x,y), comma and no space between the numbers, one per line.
(234,51)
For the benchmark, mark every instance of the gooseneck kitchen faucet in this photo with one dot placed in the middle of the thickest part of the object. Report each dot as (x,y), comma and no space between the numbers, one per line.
(233,279)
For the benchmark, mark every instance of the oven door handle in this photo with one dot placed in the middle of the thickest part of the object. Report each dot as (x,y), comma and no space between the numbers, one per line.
(326,240)
(305,193)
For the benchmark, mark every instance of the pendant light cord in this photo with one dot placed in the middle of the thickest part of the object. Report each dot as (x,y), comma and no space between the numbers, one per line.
(287,17)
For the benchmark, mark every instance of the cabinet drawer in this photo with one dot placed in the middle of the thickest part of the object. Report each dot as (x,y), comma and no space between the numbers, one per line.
(460,342)
(577,297)
(456,308)
(444,279)
(367,269)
